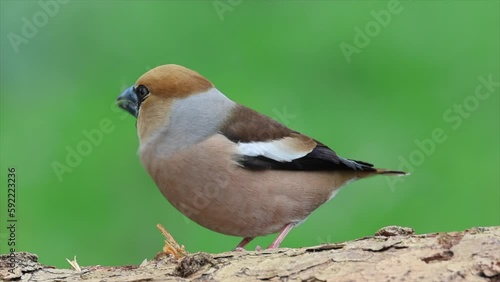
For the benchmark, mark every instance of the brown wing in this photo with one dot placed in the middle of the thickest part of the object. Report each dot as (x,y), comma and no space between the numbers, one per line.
(248,127)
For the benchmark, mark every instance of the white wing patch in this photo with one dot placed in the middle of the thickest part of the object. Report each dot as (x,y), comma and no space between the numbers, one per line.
(282,150)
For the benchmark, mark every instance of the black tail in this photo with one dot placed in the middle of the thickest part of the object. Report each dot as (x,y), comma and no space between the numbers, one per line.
(391,172)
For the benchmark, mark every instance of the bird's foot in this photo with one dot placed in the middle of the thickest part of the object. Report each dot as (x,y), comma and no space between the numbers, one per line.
(277,242)
(242,244)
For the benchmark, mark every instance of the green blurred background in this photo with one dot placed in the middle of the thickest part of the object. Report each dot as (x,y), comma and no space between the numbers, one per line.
(282,58)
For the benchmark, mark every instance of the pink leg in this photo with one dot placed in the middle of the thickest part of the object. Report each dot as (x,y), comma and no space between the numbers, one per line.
(243,243)
(276,244)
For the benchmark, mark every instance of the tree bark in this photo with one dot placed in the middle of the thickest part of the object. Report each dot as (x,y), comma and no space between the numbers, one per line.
(393,254)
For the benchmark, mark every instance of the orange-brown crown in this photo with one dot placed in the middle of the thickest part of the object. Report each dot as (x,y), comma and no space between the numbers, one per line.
(173,81)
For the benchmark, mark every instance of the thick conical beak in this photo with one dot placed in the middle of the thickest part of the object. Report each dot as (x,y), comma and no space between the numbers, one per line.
(128,101)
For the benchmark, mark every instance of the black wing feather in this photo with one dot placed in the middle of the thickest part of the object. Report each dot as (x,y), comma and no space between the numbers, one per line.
(320,158)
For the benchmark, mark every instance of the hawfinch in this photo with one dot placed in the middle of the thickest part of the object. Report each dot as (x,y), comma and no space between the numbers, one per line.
(228,167)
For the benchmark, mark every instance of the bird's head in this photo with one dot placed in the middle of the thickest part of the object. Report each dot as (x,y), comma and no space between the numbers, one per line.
(150,99)
(161,84)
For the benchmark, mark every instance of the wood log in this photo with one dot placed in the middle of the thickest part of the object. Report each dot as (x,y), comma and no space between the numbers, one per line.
(393,254)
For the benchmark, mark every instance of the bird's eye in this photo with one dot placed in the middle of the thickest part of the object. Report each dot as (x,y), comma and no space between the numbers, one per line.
(141,91)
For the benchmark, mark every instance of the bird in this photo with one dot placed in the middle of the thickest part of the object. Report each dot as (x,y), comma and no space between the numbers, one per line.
(227,167)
